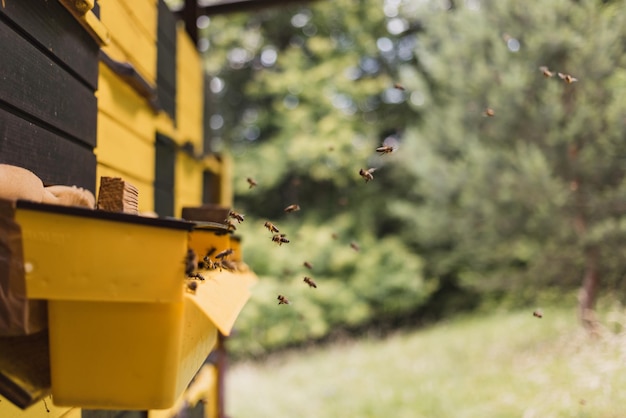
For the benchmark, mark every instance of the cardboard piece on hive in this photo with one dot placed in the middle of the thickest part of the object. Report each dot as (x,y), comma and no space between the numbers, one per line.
(18,314)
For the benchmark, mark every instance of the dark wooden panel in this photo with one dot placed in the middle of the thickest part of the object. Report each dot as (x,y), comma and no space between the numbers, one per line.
(166,23)
(36,85)
(166,60)
(56,160)
(49,26)
(165,151)
(95,413)
(210,187)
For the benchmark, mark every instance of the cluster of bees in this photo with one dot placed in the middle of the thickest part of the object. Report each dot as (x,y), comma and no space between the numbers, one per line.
(222,261)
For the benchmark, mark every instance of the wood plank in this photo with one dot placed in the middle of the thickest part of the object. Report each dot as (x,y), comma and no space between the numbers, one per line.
(188,183)
(55,159)
(166,60)
(145,189)
(36,85)
(57,34)
(129,41)
(119,101)
(166,23)
(189,100)
(121,148)
(189,103)
(164,175)
(144,12)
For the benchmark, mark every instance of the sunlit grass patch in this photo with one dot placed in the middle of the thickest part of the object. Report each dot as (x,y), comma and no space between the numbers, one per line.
(504,365)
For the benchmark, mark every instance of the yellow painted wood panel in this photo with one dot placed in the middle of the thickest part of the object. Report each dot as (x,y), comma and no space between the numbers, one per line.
(189,100)
(38,410)
(118,100)
(129,38)
(73,413)
(144,12)
(145,189)
(121,148)
(188,183)
(165,125)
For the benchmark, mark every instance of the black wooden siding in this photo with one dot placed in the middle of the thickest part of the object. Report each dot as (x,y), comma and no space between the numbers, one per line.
(165,150)
(166,60)
(48,109)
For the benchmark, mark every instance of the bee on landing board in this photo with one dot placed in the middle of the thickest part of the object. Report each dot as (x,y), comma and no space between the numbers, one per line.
(367,174)
(308,265)
(227,265)
(271,227)
(251,182)
(292,208)
(192,286)
(280,239)
(567,78)
(191,261)
(538,314)
(282,300)
(385,149)
(236,215)
(310,282)
(546,71)
(196,275)
(208,264)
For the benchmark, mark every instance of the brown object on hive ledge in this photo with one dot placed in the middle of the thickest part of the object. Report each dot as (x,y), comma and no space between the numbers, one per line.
(117,195)
(206,213)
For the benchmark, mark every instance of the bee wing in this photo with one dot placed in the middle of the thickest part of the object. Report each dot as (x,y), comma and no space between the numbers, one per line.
(371,170)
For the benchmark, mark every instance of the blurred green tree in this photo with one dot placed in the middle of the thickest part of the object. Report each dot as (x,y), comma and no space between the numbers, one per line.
(521,197)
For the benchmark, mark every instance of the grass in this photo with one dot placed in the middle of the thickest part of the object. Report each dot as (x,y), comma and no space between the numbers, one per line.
(503,365)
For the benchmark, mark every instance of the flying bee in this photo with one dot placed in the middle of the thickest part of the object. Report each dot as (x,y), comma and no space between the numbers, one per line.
(334,235)
(279,239)
(251,182)
(310,282)
(235,215)
(538,314)
(191,261)
(355,246)
(292,208)
(489,112)
(367,174)
(308,265)
(282,300)
(192,286)
(398,86)
(196,275)
(225,253)
(385,149)
(271,227)
(567,78)
(546,71)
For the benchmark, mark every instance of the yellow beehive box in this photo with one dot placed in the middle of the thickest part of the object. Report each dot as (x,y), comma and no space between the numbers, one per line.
(123,331)
(209,236)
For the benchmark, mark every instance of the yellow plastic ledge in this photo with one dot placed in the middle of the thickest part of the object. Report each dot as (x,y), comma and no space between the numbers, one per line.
(124,331)
(89,255)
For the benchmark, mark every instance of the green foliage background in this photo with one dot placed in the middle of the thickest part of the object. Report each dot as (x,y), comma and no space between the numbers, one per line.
(468,207)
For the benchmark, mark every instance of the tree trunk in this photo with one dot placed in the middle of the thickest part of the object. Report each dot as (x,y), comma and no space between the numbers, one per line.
(588,291)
